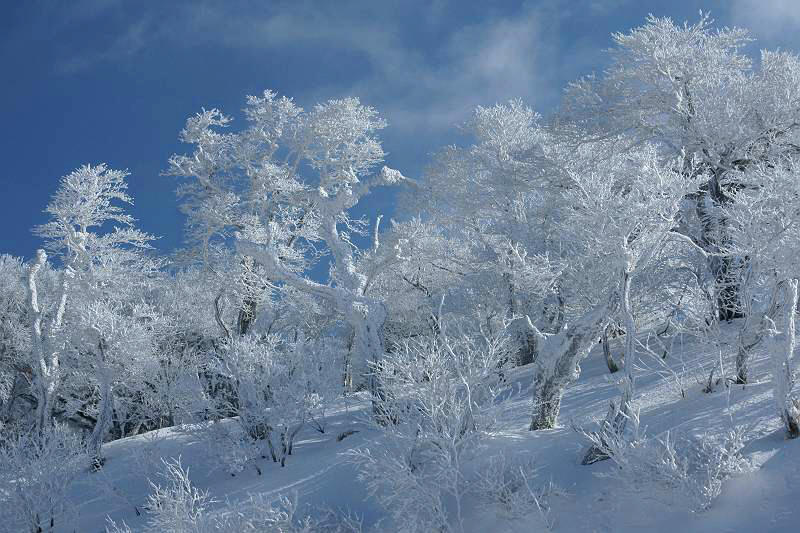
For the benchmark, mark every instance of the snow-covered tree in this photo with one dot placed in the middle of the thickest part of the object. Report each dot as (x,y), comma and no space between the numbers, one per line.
(784,342)
(100,265)
(493,197)
(690,89)
(186,337)
(46,341)
(567,228)
(765,224)
(277,387)
(303,172)
(435,278)
(620,212)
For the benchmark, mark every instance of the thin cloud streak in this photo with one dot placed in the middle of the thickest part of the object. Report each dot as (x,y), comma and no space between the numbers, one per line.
(505,55)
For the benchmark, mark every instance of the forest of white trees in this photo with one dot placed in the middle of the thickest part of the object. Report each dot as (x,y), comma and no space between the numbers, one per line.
(662,198)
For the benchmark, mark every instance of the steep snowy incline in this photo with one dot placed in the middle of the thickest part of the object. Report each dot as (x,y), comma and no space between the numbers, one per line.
(671,399)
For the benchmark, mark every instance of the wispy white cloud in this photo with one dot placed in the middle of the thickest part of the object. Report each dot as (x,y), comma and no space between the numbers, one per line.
(499,56)
(133,39)
(427,68)
(494,60)
(771,21)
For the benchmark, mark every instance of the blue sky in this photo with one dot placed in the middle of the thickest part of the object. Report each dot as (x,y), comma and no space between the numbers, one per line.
(89,81)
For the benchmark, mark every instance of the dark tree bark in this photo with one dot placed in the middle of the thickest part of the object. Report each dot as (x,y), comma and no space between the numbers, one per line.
(726,269)
(612,365)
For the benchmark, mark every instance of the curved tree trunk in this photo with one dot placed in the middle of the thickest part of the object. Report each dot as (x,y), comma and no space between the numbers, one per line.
(558,360)
(105,414)
(546,404)
(105,417)
(753,331)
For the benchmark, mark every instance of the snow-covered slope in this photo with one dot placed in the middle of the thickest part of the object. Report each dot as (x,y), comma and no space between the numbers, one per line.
(764,499)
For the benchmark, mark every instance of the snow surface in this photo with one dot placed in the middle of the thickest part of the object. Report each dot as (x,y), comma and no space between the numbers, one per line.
(764,500)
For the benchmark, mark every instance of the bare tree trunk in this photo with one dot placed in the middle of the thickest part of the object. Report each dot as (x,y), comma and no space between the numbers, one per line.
(546,404)
(250,296)
(527,350)
(752,333)
(271,446)
(526,353)
(726,269)
(558,361)
(610,363)
(105,413)
(17,390)
(46,372)
(247,315)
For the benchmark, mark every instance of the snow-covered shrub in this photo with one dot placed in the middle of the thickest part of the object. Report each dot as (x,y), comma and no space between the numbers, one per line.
(505,484)
(36,473)
(264,512)
(691,468)
(304,381)
(227,446)
(277,387)
(174,390)
(178,506)
(716,459)
(440,402)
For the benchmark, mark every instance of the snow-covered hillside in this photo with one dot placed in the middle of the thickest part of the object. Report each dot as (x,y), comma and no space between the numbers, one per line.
(584,498)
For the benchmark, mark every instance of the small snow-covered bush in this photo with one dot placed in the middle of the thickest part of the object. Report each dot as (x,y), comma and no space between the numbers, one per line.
(36,472)
(178,506)
(440,403)
(690,467)
(715,459)
(277,387)
(506,486)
